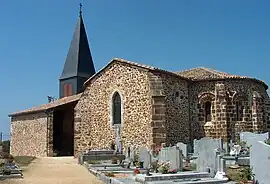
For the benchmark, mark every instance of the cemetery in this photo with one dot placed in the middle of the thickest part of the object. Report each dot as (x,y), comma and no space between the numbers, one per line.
(205,161)
(8,168)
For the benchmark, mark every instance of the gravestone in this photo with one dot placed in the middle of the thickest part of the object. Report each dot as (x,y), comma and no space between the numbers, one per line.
(183,148)
(145,157)
(172,155)
(207,154)
(250,138)
(260,161)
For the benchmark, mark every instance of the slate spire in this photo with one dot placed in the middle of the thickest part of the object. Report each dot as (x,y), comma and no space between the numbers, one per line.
(79,64)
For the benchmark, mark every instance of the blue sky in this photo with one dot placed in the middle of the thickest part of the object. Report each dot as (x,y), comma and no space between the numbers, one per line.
(226,35)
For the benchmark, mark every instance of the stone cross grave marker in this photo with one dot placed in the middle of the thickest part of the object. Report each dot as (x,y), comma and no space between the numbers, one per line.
(145,157)
(195,147)
(183,148)
(172,155)
(118,139)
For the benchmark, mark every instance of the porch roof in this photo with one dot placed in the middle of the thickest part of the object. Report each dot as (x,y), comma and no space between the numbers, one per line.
(44,107)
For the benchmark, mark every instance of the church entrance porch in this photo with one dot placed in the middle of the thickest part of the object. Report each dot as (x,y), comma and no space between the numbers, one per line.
(63,130)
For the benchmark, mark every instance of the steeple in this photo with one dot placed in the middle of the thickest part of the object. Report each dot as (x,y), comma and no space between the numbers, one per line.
(79,64)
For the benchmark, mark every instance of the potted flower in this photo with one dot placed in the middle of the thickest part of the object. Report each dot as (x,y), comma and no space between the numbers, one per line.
(246,176)
(137,165)
(164,167)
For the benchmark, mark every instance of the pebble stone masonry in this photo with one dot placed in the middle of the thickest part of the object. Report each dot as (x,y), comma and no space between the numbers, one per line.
(157,107)
(165,107)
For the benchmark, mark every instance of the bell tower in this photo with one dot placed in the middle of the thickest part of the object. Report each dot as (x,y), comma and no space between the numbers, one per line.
(79,64)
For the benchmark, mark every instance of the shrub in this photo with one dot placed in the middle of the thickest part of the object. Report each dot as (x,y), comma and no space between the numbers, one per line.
(241,174)
(6,146)
(93,162)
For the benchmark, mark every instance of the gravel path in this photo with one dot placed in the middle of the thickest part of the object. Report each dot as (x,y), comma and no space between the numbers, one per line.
(55,170)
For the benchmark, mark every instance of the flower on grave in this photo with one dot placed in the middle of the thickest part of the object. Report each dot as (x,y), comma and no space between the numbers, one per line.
(136,171)
(156,150)
(164,167)
(173,171)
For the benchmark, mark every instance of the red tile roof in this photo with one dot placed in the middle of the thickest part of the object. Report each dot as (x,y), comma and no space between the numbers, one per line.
(195,74)
(48,106)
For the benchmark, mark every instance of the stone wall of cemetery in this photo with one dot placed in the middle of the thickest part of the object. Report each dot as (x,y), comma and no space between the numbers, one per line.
(29,135)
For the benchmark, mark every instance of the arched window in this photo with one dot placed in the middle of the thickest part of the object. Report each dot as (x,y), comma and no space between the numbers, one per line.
(207,111)
(116,109)
(239,111)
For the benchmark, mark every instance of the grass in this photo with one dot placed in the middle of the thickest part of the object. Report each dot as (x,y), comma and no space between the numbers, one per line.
(23,160)
(93,162)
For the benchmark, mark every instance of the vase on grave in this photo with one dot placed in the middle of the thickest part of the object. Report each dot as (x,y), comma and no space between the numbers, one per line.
(114,160)
(141,164)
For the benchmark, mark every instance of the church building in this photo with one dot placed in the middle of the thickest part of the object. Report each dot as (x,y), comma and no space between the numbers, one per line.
(151,106)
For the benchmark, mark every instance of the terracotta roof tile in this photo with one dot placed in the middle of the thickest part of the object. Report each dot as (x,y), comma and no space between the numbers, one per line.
(195,74)
(201,73)
(51,105)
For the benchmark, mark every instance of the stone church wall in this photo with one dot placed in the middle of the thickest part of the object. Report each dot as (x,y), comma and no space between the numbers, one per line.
(170,114)
(29,135)
(92,113)
(224,97)
(177,109)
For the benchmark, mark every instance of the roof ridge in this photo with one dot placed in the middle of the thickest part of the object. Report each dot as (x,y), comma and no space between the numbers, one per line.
(214,71)
(181,74)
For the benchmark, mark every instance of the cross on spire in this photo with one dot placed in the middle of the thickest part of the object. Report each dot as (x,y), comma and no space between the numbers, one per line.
(80,8)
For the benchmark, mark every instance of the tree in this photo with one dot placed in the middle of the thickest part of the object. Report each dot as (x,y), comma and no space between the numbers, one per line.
(6,146)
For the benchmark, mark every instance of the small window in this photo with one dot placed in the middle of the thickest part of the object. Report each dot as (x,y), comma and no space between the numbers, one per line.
(177,94)
(207,111)
(116,108)
(239,111)
(67,90)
